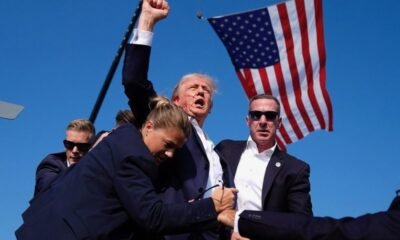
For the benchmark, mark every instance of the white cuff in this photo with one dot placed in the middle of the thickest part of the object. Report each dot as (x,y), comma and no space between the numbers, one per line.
(236,222)
(141,37)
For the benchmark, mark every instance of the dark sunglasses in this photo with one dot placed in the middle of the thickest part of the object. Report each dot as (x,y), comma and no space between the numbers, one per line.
(269,115)
(82,147)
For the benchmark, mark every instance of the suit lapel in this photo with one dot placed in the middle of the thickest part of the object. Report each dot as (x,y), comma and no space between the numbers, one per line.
(274,166)
(197,140)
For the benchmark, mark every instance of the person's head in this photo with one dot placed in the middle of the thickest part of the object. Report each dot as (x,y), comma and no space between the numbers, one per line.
(194,93)
(77,140)
(124,116)
(263,120)
(165,129)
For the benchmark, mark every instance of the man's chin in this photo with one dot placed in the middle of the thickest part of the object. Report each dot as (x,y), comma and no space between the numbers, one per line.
(263,138)
(200,112)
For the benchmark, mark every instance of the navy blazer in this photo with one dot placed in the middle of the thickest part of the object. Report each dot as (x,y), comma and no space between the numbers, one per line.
(286,186)
(110,194)
(290,226)
(187,173)
(184,177)
(48,169)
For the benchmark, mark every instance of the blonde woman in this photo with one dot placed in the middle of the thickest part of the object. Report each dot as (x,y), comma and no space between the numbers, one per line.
(111,194)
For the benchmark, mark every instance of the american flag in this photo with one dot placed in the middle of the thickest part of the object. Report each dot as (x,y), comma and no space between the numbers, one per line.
(279,50)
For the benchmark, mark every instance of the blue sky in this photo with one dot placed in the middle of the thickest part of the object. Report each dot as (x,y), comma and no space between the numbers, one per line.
(54,56)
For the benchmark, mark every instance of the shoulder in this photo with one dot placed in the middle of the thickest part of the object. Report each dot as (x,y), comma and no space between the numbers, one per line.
(54,158)
(291,161)
(228,143)
(56,161)
(124,133)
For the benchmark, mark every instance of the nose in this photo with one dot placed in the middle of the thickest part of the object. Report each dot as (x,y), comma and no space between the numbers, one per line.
(263,118)
(169,153)
(200,92)
(262,121)
(75,149)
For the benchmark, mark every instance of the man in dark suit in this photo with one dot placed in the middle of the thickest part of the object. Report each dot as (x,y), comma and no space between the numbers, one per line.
(78,135)
(267,178)
(196,167)
(290,226)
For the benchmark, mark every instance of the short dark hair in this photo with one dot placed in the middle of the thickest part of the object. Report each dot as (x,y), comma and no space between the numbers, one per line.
(266,96)
(124,116)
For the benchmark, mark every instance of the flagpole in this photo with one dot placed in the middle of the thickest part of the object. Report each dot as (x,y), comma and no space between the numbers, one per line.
(114,64)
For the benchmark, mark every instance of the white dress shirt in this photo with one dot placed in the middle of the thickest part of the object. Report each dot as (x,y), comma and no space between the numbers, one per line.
(249,177)
(215,170)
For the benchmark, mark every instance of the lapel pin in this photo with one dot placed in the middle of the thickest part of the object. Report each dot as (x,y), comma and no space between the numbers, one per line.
(278,164)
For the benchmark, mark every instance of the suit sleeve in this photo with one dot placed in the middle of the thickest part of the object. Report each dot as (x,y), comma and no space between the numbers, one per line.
(137,87)
(46,172)
(274,225)
(137,194)
(299,199)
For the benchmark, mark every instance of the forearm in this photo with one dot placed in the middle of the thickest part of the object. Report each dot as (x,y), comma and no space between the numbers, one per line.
(138,196)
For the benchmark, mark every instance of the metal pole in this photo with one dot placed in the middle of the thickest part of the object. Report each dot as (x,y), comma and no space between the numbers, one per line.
(114,64)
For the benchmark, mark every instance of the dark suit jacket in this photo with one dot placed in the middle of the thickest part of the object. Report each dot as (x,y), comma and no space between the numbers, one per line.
(185,176)
(286,182)
(290,226)
(110,195)
(48,169)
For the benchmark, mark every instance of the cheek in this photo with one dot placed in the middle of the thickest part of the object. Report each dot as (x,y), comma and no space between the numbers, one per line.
(157,146)
(183,101)
(253,125)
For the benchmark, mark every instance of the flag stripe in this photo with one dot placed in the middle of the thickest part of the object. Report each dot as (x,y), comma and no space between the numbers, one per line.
(265,81)
(287,31)
(283,134)
(322,61)
(291,118)
(285,101)
(300,5)
(275,92)
(247,85)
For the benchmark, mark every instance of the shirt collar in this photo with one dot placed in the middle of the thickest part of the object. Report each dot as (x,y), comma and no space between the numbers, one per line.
(251,145)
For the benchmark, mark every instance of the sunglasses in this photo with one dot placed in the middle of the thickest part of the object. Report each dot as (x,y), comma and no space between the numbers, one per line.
(82,147)
(269,115)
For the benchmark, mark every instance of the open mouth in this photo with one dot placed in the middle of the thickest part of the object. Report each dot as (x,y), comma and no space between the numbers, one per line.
(200,103)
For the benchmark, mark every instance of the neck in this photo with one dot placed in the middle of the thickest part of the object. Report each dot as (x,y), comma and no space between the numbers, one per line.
(262,147)
(199,121)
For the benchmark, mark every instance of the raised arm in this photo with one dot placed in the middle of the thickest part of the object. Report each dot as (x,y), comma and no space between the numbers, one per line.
(137,87)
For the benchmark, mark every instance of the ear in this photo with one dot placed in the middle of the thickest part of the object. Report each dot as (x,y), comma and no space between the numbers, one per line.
(148,125)
(248,120)
(176,100)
